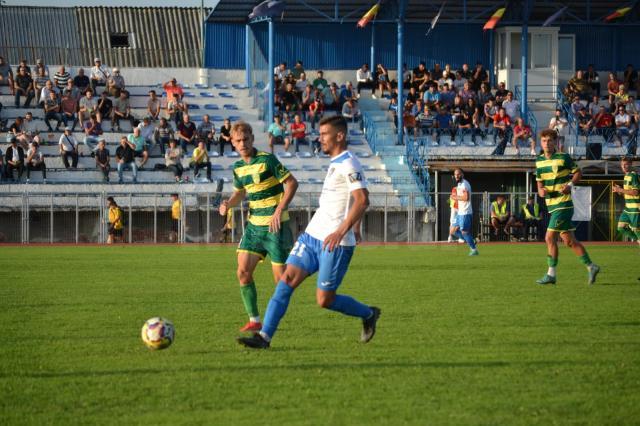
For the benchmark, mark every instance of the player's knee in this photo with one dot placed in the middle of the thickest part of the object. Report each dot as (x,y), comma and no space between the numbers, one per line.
(244,275)
(324,299)
(549,239)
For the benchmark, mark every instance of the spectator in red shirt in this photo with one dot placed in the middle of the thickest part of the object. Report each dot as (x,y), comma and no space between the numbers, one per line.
(523,132)
(316,110)
(298,132)
(604,123)
(613,87)
(502,129)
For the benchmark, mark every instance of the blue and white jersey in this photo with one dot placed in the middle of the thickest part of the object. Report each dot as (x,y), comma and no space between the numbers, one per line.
(464,207)
(344,175)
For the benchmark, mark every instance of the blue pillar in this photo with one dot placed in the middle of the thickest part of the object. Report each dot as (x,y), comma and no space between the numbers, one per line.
(373,47)
(271,66)
(247,57)
(491,67)
(400,60)
(525,69)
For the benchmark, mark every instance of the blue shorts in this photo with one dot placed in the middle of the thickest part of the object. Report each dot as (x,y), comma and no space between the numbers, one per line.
(463,221)
(307,254)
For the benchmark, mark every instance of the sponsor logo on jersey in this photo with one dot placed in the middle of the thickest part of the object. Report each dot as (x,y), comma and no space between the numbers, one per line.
(355,177)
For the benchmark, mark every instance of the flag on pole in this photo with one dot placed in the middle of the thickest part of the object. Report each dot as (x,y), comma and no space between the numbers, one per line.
(495,18)
(434,21)
(555,16)
(368,17)
(617,14)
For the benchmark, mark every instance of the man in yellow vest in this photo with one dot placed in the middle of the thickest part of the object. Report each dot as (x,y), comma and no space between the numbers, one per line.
(500,216)
(531,217)
(176,215)
(116,221)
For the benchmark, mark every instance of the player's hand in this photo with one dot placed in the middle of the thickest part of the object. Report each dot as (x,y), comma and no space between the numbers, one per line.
(542,192)
(274,225)
(358,235)
(566,189)
(224,206)
(617,188)
(332,241)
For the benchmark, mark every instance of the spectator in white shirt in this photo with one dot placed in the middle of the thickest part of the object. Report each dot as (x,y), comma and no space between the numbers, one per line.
(364,80)
(35,161)
(99,74)
(510,106)
(68,146)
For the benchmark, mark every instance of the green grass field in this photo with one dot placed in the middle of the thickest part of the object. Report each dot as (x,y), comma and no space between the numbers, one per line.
(461,340)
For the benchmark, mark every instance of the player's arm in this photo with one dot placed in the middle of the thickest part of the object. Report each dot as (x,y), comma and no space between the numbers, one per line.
(290,188)
(360,204)
(464,196)
(542,192)
(577,175)
(234,200)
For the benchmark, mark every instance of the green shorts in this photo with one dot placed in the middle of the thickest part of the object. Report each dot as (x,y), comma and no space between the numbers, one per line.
(560,221)
(630,220)
(259,241)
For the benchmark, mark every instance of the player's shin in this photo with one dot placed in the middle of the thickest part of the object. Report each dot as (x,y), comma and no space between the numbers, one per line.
(349,306)
(468,238)
(250,299)
(552,263)
(276,309)
(626,232)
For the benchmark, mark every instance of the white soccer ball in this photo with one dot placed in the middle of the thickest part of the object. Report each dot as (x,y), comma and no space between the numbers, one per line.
(158,333)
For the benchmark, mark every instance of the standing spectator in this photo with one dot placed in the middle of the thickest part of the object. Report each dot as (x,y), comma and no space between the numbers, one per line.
(172,88)
(613,86)
(630,77)
(206,131)
(68,147)
(186,133)
(88,106)
(14,160)
(61,78)
(163,134)
(522,131)
(23,86)
(511,106)
(35,161)
(139,146)
(176,217)
(52,109)
(92,133)
(39,83)
(350,111)
(276,134)
(173,159)
(502,130)
(147,131)
(200,160)
(6,75)
(153,106)
(102,159)
(593,80)
(69,106)
(225,136)
(81,81)
(122,111)
(125,158)
(116,221)
(298,132)
(105,107)
(115,83)
(99,74)
(561,126)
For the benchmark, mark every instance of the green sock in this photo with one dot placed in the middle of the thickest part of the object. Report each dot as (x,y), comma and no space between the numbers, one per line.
(626,232)
(250,299)
(585,259)
(552,262)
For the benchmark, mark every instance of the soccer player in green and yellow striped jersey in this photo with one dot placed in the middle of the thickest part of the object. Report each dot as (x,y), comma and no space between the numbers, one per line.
(269,187)
(629,222)
(556,173)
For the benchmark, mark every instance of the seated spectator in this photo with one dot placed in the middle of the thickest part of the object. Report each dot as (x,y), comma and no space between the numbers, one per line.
(172,88)
(105,107)
(40,65)
(604,123)
(445,79)
(425,121)
(153,106)
(531,219)
(31,131)
(522,132)
(393,108)
(61,78)
(479,77)
(629,77)
(613,86)
(81,81)
(147,130)
(125,158)
(419,78)
(173,159)
(115,83)
(225,136)
(290,99)
(444,124)
(186,133)
(14,160)
(122,111)
(623,125)
(52,110)
(39,83)
(500,216)
(72,90)
(298,132)
(17,131)
(431,97)
(6,75)
(467,92)
(302,83)
(68,147)
(88,106)
(298,70)
(576,105)
(280,74)
(44,94)
(316,111)
(578,86)
(465,126)
(23,86)
(319,83)
(511,106)
(276,134)
(163,134)
(364,79)
(139,146)
(2,172)
(116,221)
(99,75)
(409,120)
(585,122)
(176,109)
(200,160)
(594,105)
(458,82)
(206,131)
(92,133)
(502,130)
(103,159)
(331,98)
(456,109)
(413,95)
(447,96)
(593,80)
(417,108)
(345,93)
(501,93)
(382,77)
(350,111)
(622,97)
(22,65)
(484,94)
(490,110)
(406,77)
(35,162)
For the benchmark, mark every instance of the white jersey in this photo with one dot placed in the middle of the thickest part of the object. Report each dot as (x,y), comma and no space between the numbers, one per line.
(344,175)
(464,207)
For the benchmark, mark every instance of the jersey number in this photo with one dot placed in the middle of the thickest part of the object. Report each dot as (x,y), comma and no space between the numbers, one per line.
(298,249)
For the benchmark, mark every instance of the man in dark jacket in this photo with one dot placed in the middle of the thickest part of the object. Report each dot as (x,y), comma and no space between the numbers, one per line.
(14,159)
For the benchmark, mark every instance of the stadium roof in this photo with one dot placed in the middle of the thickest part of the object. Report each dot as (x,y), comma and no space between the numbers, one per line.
(591,12)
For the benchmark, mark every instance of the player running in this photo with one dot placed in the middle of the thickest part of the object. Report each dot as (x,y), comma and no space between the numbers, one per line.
(556,173)
(462,228)
(629,222)
(328,243)
(259,176)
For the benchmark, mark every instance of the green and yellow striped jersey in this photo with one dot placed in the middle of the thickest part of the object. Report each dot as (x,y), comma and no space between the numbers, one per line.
(631,203)
(262,179)
(555,173)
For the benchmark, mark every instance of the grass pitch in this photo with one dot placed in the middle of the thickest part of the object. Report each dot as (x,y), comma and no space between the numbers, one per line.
(461,340)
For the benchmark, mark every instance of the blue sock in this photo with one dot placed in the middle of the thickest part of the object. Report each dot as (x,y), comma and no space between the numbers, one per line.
(469,239)
(276,308)
(350,306)
(458,235)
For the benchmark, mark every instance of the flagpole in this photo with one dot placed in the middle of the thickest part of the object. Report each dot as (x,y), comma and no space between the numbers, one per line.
(373,47)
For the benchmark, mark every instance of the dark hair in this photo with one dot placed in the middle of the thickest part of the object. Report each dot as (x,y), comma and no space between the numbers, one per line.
(626,159)
(175,194)
(14,140)
(111,200)
(338,122)
(549,133)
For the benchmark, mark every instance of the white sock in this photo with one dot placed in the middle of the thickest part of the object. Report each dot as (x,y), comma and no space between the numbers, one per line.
(552,271)
(265,336)
(254,319)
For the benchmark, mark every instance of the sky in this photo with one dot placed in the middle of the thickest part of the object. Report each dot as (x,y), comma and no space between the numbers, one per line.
(85,3)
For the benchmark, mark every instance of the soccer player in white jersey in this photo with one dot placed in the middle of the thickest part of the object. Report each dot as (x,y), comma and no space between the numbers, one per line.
(328,243)
(462,227)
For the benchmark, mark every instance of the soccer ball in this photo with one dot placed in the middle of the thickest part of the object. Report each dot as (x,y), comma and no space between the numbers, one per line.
(158,333)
